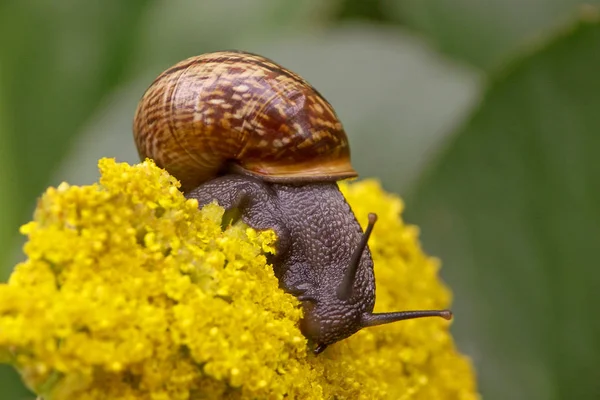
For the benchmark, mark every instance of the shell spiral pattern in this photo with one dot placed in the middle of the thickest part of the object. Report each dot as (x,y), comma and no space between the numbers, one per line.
(238,110)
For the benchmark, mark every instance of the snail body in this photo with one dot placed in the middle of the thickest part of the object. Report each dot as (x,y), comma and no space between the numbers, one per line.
(239,129)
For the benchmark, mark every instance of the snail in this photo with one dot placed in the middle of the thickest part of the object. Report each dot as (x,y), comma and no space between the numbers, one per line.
(240,129)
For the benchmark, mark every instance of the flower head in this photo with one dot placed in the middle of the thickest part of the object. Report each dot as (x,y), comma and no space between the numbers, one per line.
(130,292)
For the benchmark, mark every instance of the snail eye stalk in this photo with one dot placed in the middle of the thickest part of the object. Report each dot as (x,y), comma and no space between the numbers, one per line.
(344,291)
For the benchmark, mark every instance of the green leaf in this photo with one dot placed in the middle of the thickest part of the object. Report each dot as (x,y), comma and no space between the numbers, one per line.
(484,32)
(10,387)
(58,61)
(373,10)
(176,29)
(8,193)
(512,206)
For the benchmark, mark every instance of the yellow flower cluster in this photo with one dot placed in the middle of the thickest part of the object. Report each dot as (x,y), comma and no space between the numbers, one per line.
(130,292)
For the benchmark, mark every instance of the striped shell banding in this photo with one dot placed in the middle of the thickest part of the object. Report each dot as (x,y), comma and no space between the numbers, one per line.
(238,110)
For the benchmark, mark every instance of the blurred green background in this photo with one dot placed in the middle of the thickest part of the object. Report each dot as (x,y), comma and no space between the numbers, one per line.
(484,115)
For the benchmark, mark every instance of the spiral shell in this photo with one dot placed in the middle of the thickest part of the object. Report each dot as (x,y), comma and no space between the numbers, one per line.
(237,110)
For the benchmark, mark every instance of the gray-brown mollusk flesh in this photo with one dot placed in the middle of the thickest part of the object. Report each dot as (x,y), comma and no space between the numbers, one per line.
(317,235)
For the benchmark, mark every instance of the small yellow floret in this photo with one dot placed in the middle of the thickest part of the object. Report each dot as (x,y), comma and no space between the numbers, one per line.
(130,292)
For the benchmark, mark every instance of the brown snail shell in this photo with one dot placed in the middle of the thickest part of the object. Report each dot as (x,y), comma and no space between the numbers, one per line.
(235,110)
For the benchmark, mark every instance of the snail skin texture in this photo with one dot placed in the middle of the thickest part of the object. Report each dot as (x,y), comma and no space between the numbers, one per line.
(242,130)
